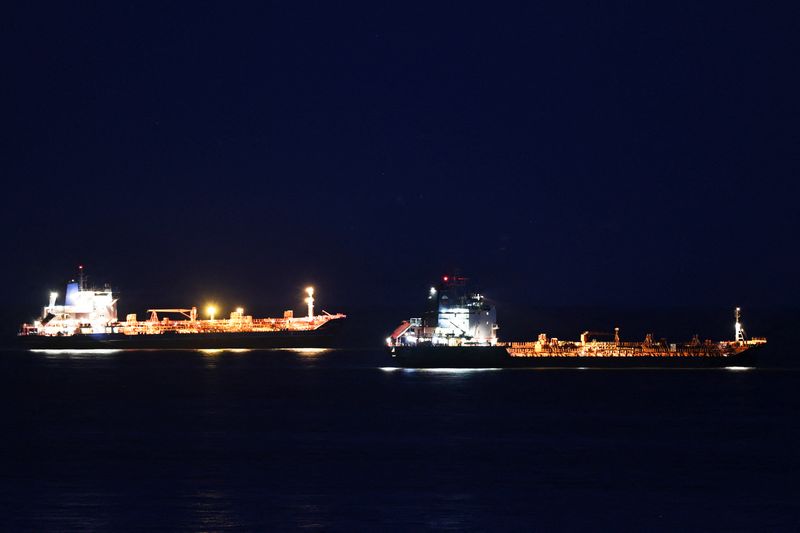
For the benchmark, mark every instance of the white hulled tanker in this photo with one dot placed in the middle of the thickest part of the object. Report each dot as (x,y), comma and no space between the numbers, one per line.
(88,319)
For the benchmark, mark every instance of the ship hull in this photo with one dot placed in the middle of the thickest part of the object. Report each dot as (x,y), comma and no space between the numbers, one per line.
(326,336)
(498,357)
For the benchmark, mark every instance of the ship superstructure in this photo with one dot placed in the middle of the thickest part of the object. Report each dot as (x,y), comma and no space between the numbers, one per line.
(84,311)
(455,317)
(89,314)
(460,326)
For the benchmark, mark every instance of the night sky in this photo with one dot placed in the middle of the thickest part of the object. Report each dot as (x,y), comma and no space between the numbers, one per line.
(565,154)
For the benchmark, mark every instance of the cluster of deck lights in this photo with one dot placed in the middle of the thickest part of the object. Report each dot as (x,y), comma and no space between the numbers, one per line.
(211,309)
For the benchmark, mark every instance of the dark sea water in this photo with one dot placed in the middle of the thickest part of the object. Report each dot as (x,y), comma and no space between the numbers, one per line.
(334,441)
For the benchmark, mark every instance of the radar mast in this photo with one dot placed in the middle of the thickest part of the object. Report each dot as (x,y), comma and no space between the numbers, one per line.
(738,328)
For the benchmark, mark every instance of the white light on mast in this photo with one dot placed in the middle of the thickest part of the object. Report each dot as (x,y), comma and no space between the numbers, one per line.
(310,301)
(738,329)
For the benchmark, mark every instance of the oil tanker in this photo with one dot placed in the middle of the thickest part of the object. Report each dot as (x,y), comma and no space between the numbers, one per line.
(88,320)
(459,330)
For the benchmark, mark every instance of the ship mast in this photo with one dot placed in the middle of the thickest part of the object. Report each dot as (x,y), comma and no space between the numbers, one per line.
(738,328)
(310,302)
(81,278)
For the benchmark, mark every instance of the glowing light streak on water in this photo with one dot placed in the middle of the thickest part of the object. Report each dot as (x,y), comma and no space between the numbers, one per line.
(214,351)
(438,370)
(309,351)
(76,352)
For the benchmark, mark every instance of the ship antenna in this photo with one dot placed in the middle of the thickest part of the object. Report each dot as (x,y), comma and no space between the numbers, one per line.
(738,328)
(81,278)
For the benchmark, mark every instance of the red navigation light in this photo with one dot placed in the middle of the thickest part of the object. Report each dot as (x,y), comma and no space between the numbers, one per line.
(445,278)
(80,266)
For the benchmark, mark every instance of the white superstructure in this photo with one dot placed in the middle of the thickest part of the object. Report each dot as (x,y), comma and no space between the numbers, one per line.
(83,311)
(455,317)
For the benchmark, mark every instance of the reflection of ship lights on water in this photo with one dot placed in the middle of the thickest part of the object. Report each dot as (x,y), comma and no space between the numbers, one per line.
(87,352)
(216,351)
(437,370)
(76,352)
(452,370)
(308,351)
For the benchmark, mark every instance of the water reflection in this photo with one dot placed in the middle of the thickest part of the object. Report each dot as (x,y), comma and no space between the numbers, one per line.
(211,511)
(215,351)
(438,370)
(309,351)
(74,354)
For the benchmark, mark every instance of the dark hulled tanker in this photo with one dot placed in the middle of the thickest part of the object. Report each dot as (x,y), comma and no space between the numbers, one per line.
(459,330)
